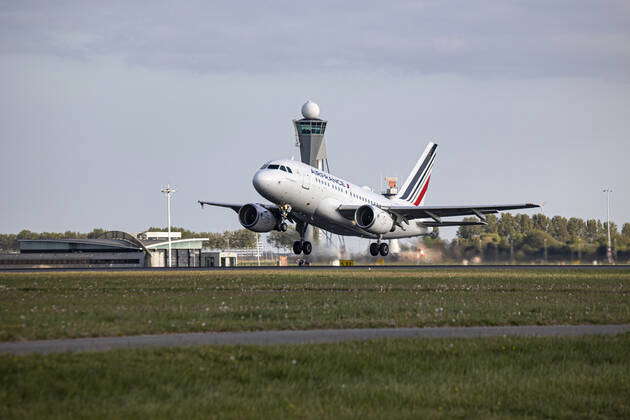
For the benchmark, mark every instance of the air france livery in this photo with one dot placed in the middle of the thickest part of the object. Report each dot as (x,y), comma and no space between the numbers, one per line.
(304,195)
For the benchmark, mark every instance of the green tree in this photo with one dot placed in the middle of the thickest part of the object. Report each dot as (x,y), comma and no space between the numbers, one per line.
(558,228)
(525,223)
(8,242)
(576,229)
(534,242)
(242,238)
(540,222)
(470,231)
(27,234)
(508,225)
(96,233)
(216,240)
(594,230)
(492,224)
(283,239)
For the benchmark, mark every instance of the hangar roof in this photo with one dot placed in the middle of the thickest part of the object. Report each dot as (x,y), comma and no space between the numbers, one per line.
(112,241)
(77,245)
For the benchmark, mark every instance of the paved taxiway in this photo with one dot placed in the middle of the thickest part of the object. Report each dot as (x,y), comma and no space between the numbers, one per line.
(300,337)
(330,267)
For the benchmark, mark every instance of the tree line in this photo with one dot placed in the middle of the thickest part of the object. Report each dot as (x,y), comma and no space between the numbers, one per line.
(522,237)
(518,237)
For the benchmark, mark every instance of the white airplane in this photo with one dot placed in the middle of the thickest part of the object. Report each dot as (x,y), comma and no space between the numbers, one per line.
(306,196)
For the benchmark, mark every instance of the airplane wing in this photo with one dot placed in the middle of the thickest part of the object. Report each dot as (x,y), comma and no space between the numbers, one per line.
(235,207)
(406,213)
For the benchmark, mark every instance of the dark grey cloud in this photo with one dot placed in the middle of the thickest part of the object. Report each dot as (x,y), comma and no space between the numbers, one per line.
(104,102)
(480,38)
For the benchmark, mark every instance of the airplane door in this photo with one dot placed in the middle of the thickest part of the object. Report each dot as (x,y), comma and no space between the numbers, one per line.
(306,180)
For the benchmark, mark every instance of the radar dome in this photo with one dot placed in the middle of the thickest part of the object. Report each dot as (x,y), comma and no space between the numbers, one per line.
(310,110)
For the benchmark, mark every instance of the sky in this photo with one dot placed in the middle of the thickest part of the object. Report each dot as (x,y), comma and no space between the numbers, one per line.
(103,103)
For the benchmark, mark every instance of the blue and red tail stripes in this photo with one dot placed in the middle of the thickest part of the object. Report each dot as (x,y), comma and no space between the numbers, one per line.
(415,187)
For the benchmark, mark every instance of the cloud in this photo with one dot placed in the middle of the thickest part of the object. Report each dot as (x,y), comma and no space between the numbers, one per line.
(481,38)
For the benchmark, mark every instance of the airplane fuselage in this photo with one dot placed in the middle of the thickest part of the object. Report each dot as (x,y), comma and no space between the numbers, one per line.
(317,195)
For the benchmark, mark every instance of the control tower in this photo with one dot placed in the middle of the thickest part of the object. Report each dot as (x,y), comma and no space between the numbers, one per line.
(309,132)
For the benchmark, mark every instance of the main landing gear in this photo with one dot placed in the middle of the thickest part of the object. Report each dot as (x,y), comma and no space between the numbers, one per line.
(379,248)
(302,246)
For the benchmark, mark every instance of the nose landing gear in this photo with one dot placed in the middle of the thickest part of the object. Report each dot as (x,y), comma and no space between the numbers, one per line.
(285,209)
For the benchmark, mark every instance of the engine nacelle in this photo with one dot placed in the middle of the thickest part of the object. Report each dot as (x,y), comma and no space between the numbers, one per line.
(373,219)
(257,218)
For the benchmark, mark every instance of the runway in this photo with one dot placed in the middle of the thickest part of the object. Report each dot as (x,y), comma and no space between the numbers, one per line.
(264,338)
(338,268)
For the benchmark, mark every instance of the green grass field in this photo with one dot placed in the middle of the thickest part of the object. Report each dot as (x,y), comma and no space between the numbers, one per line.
(585,377)
(570,378)
(81,304)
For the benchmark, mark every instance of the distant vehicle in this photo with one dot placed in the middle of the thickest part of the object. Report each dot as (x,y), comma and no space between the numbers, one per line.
(306,196)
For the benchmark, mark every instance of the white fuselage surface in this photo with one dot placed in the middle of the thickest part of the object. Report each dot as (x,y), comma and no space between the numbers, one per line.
(317,196)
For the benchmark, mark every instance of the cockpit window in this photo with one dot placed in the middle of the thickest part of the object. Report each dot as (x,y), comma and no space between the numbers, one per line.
(264,166)
(273,167)
(289,170)
(282,168)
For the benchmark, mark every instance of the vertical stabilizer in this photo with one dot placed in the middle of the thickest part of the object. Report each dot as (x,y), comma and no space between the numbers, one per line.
(415,187)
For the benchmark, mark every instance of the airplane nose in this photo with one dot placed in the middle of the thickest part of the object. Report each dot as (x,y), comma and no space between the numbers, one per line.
(262,182)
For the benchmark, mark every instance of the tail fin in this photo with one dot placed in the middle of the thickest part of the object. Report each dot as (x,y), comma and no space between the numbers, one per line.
(415,187)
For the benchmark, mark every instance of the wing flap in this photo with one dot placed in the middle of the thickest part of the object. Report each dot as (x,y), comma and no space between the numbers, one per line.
(454,223)
(437,212)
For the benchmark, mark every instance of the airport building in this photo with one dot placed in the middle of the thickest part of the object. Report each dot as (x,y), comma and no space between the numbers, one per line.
(116,249)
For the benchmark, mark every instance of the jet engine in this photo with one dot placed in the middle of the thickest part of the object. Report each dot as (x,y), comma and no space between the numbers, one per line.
(257,218)
(373,219)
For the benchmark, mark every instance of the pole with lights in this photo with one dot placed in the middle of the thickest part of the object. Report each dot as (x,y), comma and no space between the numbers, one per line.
(168,191)
(609,248)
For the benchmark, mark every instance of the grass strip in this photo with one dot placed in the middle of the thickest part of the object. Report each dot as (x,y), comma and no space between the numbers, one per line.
(586,377)
(88,304)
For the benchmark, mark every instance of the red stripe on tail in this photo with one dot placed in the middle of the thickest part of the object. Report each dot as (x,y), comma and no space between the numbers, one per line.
(424,190)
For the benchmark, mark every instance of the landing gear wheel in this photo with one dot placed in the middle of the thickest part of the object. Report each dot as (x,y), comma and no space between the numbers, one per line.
(297,247)
(307,247)
(282,227)
(384,249)
(374,249)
